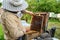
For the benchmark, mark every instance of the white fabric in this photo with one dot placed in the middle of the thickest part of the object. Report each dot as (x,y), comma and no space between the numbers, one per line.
(6,5)
(19,14)
(55,39)
(25,24)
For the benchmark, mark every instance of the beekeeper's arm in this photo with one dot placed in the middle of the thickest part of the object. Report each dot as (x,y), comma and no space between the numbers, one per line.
(28,12)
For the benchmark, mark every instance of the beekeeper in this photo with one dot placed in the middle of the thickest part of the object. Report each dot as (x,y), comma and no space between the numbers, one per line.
(10,18)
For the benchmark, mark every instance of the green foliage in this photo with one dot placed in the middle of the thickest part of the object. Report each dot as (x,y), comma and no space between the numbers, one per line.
(55,23)
(54,20)
(1,33)
(0,4)
(26,17)
(44,5)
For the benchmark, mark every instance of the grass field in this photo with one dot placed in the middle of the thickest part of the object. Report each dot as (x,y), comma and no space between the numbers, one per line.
(50,24)
(57,25)
(1,33)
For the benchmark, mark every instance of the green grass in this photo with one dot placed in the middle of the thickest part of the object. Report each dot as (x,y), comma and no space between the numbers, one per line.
(55,23)
(1,33)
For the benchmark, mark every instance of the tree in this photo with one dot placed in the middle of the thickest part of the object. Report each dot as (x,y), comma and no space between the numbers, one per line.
(44,5)
(0,4)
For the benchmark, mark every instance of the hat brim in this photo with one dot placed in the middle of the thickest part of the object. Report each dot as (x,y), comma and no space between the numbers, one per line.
(8,6)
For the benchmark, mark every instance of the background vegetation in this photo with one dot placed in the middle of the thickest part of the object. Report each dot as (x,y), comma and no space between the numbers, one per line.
(0,4)
(44,5)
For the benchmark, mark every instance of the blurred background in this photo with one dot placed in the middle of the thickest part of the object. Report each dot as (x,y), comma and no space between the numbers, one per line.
(50,6)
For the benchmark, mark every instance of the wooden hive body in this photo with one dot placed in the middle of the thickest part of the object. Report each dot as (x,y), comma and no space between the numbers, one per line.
(45,21)
(36,27)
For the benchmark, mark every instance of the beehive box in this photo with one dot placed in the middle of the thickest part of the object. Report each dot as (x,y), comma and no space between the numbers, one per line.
(45,21)
(36,27)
